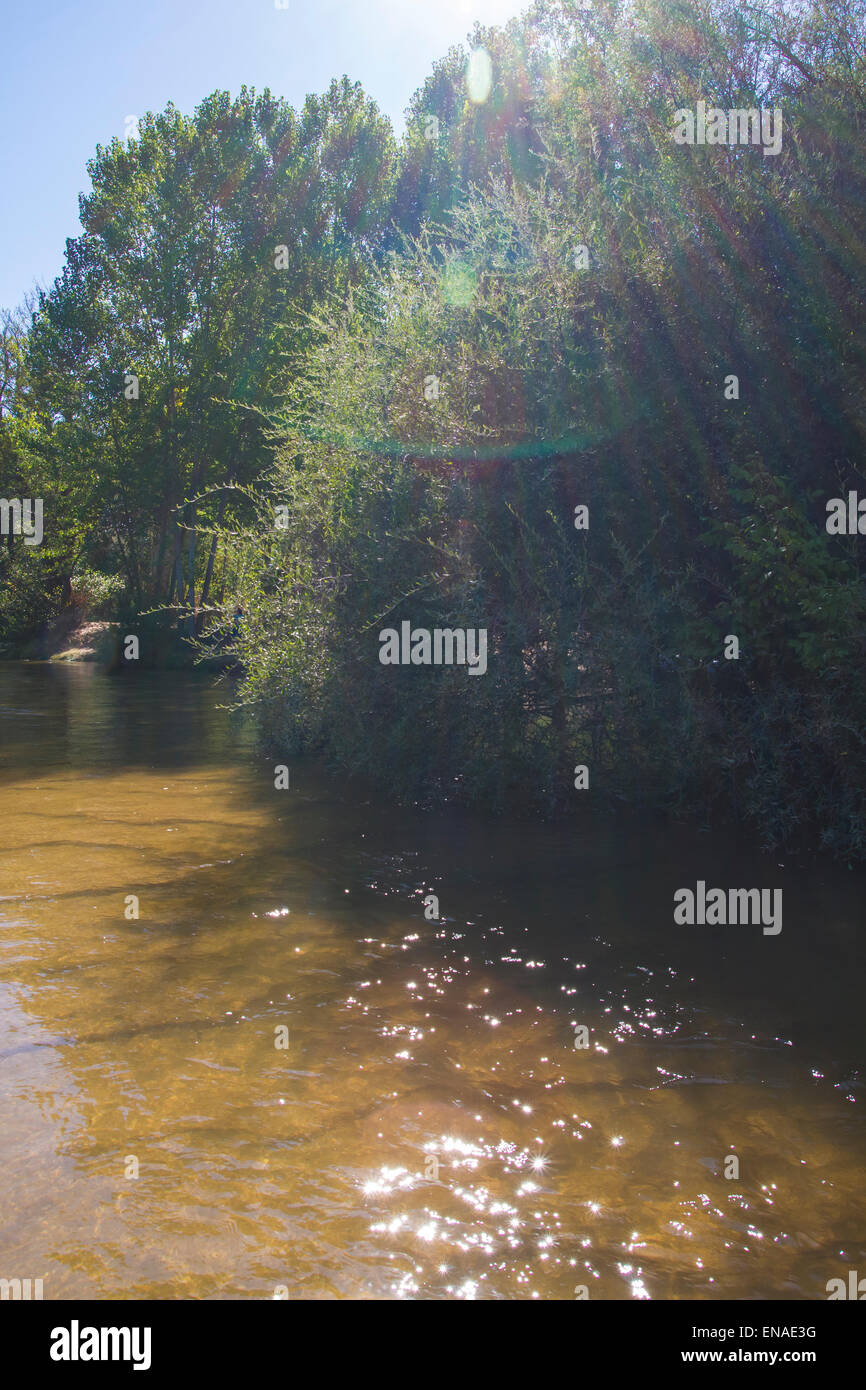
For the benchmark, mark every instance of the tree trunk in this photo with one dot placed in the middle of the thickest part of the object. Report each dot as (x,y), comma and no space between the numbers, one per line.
(190,621)
(208,575)
(178,569)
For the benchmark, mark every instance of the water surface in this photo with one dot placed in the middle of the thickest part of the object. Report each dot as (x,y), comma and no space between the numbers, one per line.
(430,1131)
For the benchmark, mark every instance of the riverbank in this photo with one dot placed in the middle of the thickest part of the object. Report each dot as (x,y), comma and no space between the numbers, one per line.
(77,636)
(73,636)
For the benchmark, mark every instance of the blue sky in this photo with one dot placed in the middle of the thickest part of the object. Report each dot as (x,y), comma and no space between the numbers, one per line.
(73,70)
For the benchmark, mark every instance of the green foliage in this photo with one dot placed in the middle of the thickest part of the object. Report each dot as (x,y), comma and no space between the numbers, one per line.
(560,386)
(175,283)
(286,483)
(98,594)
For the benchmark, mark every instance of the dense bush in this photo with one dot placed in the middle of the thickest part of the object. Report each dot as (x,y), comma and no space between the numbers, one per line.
(606,386)
(98,594)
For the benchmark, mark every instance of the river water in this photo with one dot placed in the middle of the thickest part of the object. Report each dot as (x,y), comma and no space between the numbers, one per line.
(430,1130)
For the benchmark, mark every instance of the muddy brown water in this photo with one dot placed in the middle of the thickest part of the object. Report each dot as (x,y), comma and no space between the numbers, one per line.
(430,1131)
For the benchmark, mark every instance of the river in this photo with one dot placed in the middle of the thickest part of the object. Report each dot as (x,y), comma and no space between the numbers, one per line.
(282,1079)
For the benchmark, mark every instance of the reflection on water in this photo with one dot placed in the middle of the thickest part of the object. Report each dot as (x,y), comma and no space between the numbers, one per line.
(430,1131)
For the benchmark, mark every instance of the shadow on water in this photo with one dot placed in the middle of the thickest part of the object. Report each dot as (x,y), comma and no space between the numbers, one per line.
(430,1130)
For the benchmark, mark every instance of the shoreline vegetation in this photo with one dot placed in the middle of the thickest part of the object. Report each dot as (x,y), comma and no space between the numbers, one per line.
(536,369)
